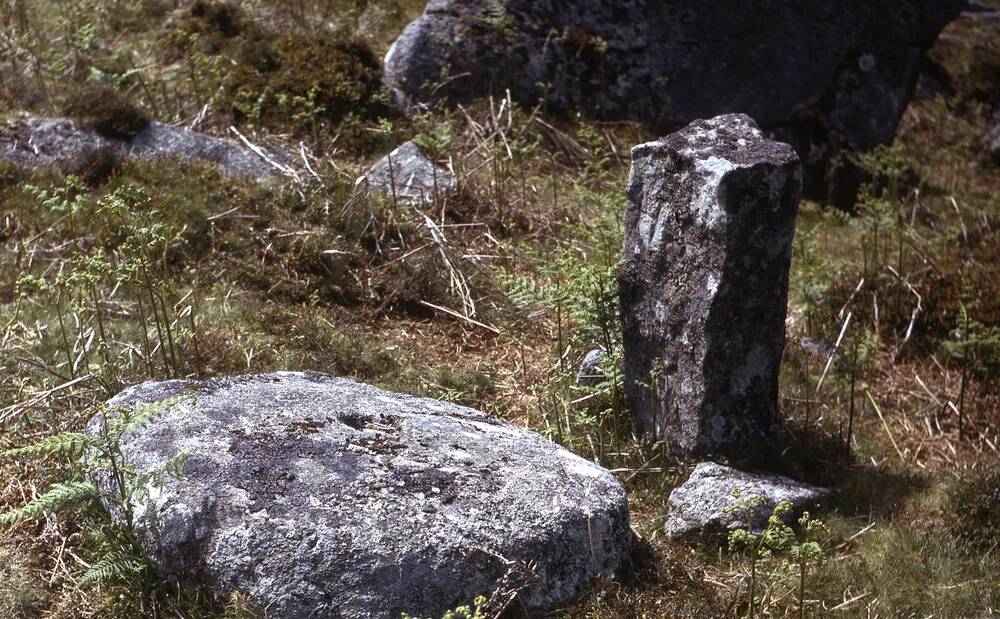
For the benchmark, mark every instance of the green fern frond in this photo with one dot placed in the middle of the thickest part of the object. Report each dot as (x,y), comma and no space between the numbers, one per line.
(140,483)
(115,566)
(526,292)
(58,496)
(68,443)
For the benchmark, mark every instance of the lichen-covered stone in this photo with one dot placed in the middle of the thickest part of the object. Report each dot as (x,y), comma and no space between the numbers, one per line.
(410,176)
(993,136)
(231,158)
(323,497)
(704,284)
(590,373)
(817,347)
(705,503)
(826,75)
(37,142)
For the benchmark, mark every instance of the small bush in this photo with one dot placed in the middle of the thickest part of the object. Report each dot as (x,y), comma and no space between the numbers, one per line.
(106,111)
(10,174)
(221,17)
(303,81)
(467,387)
(976,505)
(208,27)
(94,166)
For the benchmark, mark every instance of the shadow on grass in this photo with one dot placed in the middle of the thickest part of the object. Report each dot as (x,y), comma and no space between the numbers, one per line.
(859,489)
(653,582)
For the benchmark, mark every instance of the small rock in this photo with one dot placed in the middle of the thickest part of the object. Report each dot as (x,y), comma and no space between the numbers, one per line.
(817,347)
(323,497)
(705,502)
(337,264)
(993,137)
(590,373)
(410,175)
(704,284)
(36,142)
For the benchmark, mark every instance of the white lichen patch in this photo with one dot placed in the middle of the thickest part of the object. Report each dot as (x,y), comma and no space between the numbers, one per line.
(705,206)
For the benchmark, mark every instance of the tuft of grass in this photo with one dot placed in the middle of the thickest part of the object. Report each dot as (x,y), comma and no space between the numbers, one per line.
(975,500)
(902,571)
(105,110)
(95,166)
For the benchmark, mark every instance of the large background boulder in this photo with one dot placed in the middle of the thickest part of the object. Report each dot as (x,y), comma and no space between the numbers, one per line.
(825,75)
(323,497)
(704,283)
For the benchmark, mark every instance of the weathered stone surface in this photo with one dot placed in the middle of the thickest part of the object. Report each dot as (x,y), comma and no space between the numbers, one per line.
(705,502)
(825,75)
(37,142)
(232,158)
(704,284)
(590,373)
(993,137)
(817,347)
(409,173)
(323,497)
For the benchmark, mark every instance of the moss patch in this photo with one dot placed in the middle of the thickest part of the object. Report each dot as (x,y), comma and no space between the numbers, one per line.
(304,82)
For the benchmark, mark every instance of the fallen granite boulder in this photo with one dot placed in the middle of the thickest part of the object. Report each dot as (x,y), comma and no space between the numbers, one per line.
(704,284)
(706,502)
(38,142)
(824,76)
(409,176)
(322,497)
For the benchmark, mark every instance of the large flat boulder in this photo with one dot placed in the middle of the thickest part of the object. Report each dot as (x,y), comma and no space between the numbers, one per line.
(35,142)
(717,499)
(824,74)
(704,284)
(323,497)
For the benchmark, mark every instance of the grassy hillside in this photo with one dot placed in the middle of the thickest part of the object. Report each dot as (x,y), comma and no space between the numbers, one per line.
(115,272)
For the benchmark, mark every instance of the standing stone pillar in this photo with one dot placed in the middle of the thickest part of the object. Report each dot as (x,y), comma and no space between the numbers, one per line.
(704,284)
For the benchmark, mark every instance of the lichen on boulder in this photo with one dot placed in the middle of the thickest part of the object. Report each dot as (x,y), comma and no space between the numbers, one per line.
(704,284)
(320,496)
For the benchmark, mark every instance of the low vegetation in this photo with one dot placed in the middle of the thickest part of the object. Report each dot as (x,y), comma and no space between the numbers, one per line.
(114,272)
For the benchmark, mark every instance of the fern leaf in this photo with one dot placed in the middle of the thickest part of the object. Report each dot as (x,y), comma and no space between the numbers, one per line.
(57,497)
(115,566)
(68,443)
(140,483)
